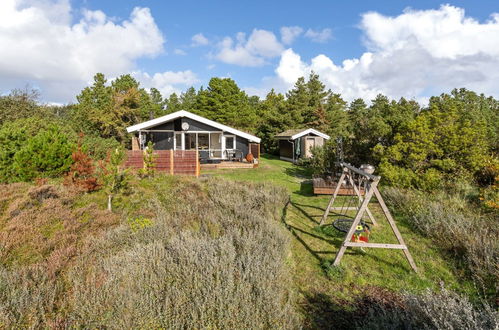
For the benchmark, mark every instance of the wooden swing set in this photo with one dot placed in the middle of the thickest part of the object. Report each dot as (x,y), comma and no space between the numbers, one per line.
(355,178)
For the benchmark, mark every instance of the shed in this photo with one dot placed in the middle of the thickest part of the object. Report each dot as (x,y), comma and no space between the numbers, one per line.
(297,143)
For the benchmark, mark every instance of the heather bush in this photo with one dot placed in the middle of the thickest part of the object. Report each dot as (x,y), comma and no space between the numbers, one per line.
(457,227)
(216,261)
(430,310)
(197,254)
(28,298)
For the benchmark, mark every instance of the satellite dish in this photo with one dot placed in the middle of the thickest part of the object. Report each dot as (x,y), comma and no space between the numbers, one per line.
(185,126)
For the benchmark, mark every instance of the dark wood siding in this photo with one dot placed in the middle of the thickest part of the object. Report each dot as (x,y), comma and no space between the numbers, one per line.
(165,126)
(285,149)
(197,126)
(242,144)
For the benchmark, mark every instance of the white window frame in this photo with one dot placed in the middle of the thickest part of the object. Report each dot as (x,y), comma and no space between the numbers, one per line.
(234,143)
(182,141)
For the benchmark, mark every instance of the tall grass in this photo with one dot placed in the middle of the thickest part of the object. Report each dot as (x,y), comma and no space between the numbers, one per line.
(457,227)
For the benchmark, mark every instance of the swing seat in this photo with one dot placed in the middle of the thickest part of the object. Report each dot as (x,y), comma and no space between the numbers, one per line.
(364,239)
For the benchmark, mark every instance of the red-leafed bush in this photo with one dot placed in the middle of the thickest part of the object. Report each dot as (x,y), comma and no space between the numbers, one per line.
(82,172)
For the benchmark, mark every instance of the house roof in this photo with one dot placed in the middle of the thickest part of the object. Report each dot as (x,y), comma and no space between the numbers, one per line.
(292,134)
(187,114)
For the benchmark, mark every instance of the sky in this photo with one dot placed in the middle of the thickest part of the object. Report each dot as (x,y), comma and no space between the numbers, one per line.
(412,49)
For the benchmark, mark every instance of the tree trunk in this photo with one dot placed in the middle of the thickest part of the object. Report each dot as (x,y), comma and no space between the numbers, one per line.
(109,204)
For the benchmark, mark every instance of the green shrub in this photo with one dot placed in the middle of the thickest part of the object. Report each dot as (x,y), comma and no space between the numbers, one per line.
(47,154)
(12,139)
(98,147)
(43,142)
(323,159)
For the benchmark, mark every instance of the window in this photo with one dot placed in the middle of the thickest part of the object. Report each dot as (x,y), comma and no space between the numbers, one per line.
(203,141)
(190,141)
(178,141)
(230,142)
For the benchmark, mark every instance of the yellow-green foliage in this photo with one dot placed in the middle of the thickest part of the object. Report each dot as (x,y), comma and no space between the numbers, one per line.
(139,223)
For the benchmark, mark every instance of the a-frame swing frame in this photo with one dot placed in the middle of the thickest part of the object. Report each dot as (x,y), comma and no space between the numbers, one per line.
(371,190)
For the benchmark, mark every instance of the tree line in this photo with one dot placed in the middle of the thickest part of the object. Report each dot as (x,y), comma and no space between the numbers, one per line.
(456,135)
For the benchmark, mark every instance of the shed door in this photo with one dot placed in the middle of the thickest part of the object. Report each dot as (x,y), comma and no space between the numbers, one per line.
(309,144)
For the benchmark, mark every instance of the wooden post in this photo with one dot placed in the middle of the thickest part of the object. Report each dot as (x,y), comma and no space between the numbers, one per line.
(394,228)
(355,222)
(360,198)
(331,201)
(171,162)
(198,166)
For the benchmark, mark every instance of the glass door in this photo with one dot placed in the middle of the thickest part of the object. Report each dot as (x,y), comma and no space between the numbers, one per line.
(215,145)
(178,141)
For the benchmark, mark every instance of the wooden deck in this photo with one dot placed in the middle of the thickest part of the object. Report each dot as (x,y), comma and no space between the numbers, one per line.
(322,187)
(228,165)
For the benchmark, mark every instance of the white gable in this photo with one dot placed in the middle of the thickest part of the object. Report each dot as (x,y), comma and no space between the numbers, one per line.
(187,114)
(310,131)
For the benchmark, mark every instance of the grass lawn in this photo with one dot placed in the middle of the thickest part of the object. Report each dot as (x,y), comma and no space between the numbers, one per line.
(314,248)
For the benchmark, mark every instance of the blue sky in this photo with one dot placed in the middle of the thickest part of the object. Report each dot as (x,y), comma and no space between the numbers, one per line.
(56,45)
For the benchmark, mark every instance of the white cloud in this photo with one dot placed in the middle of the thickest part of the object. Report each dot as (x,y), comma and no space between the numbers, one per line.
(178,51)
(199,40)
(260,46)
(40,45)
(290,33)
(415,55)
(319,36)
(167,82)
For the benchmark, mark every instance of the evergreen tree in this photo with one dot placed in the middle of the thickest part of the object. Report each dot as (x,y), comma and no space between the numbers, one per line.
(357,146)
(107,110)
(314,114)
(157,102)
(47,154)
(274,120)
(297,103)
(337,116)
(188,100)
(224,102)
(173,103)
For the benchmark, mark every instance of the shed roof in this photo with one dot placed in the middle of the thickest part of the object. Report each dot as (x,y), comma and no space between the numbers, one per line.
(187,114)
(292,134)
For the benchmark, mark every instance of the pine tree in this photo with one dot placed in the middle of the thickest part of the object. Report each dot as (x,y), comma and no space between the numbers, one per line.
(274,120)
(188,100)
(173,103)
(314,114)
(224,102)
(337,116)
(297,103)
(114,178)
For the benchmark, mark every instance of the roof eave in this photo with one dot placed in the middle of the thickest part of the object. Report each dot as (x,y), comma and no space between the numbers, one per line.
(183,113)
